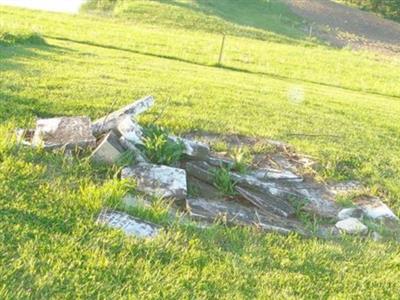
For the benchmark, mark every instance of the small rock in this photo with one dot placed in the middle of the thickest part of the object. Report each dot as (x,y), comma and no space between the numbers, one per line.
(351,226)
(129,225)
(109,150)
(157,180)
(112,120)
(345,187)
(68,132)
(350,213)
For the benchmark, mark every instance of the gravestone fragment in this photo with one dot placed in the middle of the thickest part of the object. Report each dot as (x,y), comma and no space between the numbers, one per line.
(68,132)
(109,150)
(129,225)
(157,180)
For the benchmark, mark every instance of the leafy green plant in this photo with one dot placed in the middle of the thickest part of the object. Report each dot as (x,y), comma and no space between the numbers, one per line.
(158,148)
(223,181)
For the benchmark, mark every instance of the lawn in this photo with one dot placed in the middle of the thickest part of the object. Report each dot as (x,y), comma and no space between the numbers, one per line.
(274,82)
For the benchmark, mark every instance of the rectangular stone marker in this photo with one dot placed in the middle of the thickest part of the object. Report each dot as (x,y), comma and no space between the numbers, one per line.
(155,180)
(68,132)
(235,213)
(193,149)
(109,150)
(129,225)
(266,203)
(112,120)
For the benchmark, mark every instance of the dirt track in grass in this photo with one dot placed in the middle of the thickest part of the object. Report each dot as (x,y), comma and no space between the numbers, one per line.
(342,26)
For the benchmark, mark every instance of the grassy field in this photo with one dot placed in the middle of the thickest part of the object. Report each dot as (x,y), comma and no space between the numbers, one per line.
(273,82)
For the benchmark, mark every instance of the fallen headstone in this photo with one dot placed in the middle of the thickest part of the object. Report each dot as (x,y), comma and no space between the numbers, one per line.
(158,180)
(273,174)
(112,120)
(109,150)
(193,149)
(266,203)
(129,225)
(351,226)
(68,132)
(131,131)
(235,213)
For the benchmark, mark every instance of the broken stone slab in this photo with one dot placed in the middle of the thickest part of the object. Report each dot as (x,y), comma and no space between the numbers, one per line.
(109,150)
(267,204)
(139,156)
(199,188)
(274,174)
(374,208)
(235,213)
(155,180)
(219,162)
(345,187)
(129,225)
(129,130)
(351,226)
(352,212)
(193,149)
(112,120)
(200,170)
(68,132)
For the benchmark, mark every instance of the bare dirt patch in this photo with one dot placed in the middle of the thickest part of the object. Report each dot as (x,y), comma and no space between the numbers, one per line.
(342,26)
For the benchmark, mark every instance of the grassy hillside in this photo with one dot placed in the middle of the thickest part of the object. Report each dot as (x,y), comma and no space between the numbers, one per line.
(50,246)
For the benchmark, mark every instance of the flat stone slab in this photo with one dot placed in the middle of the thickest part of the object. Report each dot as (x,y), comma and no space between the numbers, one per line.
(375,208)
(274,174)
(155,180)
(130,130)
(267,203)
(193,149)
(131,226)
(235,213)
(351,226)
(68,132)
(109,150)
(112,120)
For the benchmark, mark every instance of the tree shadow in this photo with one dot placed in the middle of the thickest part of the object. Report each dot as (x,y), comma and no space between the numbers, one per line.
(268,16)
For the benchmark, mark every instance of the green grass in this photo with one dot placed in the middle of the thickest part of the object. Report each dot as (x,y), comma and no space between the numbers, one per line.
(12,34)
(49,244)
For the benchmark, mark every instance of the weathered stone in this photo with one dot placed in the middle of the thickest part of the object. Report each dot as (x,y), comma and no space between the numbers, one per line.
(273,174)
(112,120)
(199,188)
(235,213)
(200,170)
(352,212)
(266,203)
(139,157)
(375,208)
(109,150)
(157,180)
(68,132)
(345,187)
(376,236)
(193,149)
(129,225)
(351,226)
(129,130)
(220,162)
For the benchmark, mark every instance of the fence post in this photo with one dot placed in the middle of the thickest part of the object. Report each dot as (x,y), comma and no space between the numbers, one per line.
(222,49)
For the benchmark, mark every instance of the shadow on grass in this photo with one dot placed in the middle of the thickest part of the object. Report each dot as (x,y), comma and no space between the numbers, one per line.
(270,16)
(219,66)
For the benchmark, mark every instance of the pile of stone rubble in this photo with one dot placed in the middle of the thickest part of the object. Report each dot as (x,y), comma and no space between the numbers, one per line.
(268,198)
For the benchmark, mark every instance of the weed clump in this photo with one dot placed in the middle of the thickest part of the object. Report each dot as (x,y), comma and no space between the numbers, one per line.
(159,148)
(223,181)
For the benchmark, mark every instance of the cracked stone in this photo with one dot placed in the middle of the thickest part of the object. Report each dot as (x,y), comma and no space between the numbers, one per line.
(155,180)
(68,132)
